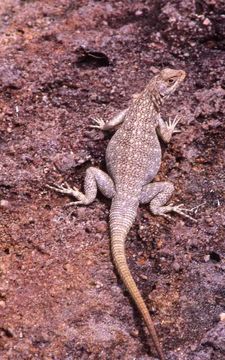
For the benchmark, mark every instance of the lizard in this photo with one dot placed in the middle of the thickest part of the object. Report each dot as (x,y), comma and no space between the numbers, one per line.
(133,158)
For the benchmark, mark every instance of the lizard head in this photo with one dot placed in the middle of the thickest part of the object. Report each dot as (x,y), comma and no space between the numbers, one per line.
(168,80)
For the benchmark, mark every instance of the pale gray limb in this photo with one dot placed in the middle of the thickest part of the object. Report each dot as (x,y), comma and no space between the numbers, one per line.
(94,179)
(99,123)
(158,194)
(166,129)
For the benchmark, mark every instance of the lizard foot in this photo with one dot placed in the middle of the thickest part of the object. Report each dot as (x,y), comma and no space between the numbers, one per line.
(99,123)
(181,210)
(71,191)
(171,124)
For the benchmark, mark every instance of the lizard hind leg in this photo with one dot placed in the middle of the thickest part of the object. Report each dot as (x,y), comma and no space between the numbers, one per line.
(94,179)
(158,194)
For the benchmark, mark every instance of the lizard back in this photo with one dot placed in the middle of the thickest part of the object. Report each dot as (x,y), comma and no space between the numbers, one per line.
(133,155)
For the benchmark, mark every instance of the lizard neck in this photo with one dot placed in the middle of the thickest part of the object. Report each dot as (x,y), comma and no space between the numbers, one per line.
(144,111)
(154,97)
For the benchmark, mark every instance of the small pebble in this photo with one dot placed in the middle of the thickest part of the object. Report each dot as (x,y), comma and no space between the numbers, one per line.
(176,266)
(2,304)
(81,212)
(206,258)
(138,12)
(134,333)
(144,277)
(101,226)
(98,285)
(2,269)
(68,268)
(153,69)
(4,203)
(209,221)
(206,22)
(222,316)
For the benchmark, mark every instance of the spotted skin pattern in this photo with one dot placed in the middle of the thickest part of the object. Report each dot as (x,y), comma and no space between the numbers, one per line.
(133,158)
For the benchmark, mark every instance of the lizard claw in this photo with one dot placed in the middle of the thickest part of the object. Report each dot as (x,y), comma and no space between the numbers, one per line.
(171,124)
(195,208)
(74,203)
(56,187)
(181,210)
(166,216)
(65,189)
(99,123)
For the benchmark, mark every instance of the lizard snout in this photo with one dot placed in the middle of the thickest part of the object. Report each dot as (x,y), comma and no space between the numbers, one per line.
(182,74)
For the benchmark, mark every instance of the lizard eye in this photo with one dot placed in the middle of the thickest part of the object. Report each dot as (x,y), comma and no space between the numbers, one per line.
(171,81)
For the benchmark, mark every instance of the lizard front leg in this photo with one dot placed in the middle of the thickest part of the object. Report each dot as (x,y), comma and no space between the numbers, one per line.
(94,179)
(166,129)
(158,194)
(111,124)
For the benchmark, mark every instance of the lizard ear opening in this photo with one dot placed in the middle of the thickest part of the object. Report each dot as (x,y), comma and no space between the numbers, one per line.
(163,88)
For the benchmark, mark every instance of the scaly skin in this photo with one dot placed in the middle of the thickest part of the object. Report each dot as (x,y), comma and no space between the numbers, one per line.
(133,158)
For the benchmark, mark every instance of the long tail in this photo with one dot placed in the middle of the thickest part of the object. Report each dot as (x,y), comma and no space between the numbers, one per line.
(120,223)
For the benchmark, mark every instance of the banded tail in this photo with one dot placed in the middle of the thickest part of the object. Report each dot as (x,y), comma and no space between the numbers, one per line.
(121,220)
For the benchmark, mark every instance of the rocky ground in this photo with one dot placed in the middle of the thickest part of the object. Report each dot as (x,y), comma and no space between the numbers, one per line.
(62,63)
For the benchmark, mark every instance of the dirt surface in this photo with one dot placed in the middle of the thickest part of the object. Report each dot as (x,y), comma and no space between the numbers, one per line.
(61,63)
